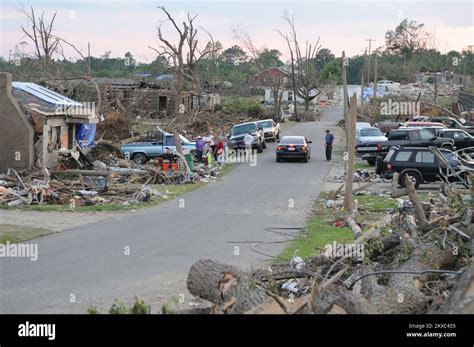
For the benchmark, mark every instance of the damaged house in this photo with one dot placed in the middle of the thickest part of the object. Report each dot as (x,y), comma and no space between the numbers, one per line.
(47,121)
(152,95)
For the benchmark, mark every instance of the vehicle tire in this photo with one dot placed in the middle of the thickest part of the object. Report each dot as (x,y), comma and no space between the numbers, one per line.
(139,158)
(259,148)
(264,144)
(371,162)
(305,159)
(278,160)
(413,175)
(277,137)
(379,165)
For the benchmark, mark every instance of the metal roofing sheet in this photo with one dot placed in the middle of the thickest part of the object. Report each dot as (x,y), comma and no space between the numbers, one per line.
(45,94)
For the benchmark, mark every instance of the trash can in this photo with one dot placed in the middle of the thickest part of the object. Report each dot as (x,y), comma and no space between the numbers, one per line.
(189,161)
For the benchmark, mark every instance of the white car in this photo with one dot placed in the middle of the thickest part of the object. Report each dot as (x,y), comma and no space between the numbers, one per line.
(388,85)
(271,129)
(360,125)
(367,135)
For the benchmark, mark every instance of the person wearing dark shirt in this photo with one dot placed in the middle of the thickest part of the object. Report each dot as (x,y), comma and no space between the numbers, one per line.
(329,141)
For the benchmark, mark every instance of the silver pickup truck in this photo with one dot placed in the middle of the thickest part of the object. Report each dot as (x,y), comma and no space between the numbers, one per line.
(271,129)
(142,151)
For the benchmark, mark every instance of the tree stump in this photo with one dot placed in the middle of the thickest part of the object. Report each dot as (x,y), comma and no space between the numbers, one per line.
(223,284)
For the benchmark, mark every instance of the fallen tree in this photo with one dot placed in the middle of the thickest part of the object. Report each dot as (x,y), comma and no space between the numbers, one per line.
(422,267)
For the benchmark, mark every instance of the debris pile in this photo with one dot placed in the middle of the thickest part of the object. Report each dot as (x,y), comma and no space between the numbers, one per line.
(81,180)
(416,259)
(360,176)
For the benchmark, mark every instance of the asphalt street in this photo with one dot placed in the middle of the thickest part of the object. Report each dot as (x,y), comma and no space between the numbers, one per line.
(147,253)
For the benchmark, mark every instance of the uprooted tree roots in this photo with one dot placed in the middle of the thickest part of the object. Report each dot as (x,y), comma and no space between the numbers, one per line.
(426,267)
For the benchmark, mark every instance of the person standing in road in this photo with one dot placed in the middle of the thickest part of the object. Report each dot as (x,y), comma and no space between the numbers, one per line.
(248,139)
(329,142)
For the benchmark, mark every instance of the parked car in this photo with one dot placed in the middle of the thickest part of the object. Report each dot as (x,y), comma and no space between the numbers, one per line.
(271,129)
(142,151)
(387,126)
(419,163)
(367,135)
(360,125)
(238,132)
(293,147)
(388,85)
(414,137)
(452,123)
(461,138)
(422,124)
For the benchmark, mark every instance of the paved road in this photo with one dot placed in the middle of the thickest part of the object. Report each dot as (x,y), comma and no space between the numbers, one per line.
(88,265)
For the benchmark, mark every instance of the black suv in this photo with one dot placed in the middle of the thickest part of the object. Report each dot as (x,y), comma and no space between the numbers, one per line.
(419,163)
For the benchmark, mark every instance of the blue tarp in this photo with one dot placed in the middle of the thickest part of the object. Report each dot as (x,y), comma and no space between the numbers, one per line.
(369,92)
(85,135)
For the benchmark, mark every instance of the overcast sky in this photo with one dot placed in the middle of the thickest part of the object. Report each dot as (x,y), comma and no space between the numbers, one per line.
(125,25)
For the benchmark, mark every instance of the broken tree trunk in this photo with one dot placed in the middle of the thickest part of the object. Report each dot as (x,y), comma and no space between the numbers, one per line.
(356,230)
(461,299)
(402,294)
(337,300)
(395,191)
(221,284)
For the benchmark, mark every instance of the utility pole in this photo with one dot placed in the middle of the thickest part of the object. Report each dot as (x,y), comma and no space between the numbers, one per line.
(368,69)
(344,89)
(351,154)
(362,73)
(375,80)
(89,58)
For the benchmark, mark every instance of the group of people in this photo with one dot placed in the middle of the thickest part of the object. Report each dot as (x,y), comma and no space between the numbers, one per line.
(210,145)
(215,146)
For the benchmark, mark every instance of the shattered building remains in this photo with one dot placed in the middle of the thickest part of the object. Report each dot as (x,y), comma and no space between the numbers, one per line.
(45,124)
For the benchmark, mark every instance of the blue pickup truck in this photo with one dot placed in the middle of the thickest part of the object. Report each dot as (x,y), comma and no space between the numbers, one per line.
(142,151)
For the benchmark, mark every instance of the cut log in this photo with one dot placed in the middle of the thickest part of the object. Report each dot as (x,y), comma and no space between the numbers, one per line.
(356,230)
(461,299)
(123,172)
(337,300)
(219,283)
(420,215)
(395,191)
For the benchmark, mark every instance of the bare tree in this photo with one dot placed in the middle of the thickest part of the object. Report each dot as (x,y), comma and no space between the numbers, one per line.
(304,69)
(47,45)
(41,34)
(185,55)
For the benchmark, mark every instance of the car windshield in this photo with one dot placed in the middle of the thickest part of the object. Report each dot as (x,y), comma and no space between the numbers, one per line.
(243,129)
(292,140)
(451,157)
(370,132)
(266,124)
(184,140)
